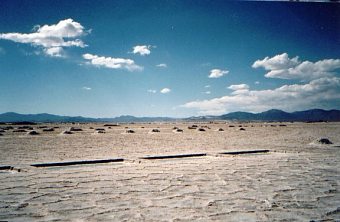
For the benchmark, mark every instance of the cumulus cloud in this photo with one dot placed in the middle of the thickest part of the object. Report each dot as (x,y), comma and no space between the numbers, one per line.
(207,86)
(165,90)
(162,65)
(152,90)
(207,92)
(54,51)
(257,82)
(317,93)
(86,88)
(217,73)
(142,50)
(238,87)
(283,67)
(112,63)
(320,88)
(277,62)
(51,38)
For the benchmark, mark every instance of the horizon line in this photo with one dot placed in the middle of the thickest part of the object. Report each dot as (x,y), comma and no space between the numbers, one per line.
(61,115)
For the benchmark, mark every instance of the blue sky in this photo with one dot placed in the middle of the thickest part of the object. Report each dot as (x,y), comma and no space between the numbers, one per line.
(168,58)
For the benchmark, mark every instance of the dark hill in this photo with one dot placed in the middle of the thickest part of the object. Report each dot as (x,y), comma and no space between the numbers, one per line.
(270,115)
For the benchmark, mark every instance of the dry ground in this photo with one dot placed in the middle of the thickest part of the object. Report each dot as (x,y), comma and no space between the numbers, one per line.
(296,181)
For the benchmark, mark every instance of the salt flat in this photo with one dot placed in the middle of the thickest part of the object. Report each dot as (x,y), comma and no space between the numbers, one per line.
(297,181)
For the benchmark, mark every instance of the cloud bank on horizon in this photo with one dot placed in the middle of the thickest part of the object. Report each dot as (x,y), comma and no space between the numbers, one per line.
(322,86)
(208,81)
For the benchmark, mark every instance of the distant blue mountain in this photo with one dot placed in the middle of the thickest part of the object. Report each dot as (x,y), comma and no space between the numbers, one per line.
(239,116)
(318,114)
(45,117)
(279,115)
(270,115)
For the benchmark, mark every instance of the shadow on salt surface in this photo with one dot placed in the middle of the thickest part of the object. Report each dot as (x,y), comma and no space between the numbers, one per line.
(9,169)
(176,156)
(176,160)
(245,152)
(249,155)
(77,162)
(5,167)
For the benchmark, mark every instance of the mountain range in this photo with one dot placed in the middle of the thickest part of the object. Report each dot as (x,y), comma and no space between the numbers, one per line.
(279,115)
(270,115)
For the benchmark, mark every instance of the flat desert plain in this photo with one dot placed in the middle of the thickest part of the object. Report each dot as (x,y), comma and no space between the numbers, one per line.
(298,180)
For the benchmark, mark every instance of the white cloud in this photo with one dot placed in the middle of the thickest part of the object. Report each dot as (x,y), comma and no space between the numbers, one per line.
(238,87)
(217,73)
(112,63)
(54,51)
(86,88)
(282,67)
(317,93)
(142,50)
(165,90)
(321,91)
(277,62)
(162,65)
(207,92)
(152,90)
(257,82)
(51,37)
(207,86)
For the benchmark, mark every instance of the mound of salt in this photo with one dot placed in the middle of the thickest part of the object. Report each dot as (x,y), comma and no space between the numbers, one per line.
(48,130)
(155,131)
(19,131)
(130,131)
(111,124)
(33,133)
(323,141)
(192,127)
(25,127)
(7,128)
(100,131)
(75,129)
(178,130)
